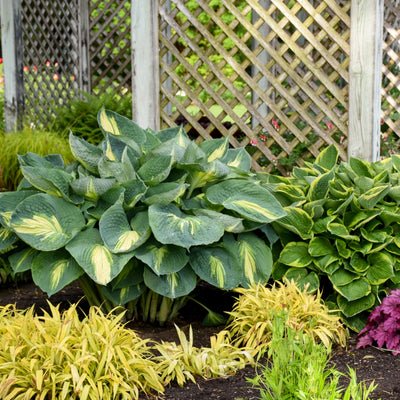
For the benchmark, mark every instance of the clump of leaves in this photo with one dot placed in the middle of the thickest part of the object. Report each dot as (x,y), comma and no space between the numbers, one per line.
(341,230)
(141,212)
(182,362)
(298,368)
(59,356)
(37,141)
(383,325)
(251,320)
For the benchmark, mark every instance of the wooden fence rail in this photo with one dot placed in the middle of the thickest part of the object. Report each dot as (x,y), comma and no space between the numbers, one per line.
(284,78)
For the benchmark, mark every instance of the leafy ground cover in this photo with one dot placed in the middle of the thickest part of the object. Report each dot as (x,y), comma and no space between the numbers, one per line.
(370,363)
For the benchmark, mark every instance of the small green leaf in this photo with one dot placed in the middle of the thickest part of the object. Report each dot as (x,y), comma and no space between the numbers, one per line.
(328,157)
(321,246)
(342,277)
(356,289)
(359,263)
(295,254)
(351,308)
(381,268)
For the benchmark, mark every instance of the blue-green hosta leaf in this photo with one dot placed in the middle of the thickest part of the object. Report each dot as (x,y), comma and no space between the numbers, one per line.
(134,191)
(45,222)
(369,199)
(297,221)
(163,259)
(201,174)
(152,141)
(171,226)
(22,260)
(246,198)
(253,255)
(295,254)
(123,295)
(230,223)
(164,193)
(8,202)
(52,271)
(155,170)
(114,124)
(7,238)
(381,268)
(320,186)
(193,156)
(108,199)
(95,258)
(321,246)
(215,148)
(328,157)
(121,171)
(237,158)
(305,279)
(87,154)
(34,160)
(217,266)
(92,188)
(175,146)
(354,290)
(120,236)
(173,285)
(53,181)
(131,275)
(351,308)
(169,133)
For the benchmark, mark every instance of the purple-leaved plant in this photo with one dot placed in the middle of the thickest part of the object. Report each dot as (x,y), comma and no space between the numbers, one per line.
(383,325)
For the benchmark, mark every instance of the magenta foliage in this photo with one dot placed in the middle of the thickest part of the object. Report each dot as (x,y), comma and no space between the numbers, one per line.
(383,325)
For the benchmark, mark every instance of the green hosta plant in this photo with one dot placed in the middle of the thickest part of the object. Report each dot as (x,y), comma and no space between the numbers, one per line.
(341,229)
(142,212)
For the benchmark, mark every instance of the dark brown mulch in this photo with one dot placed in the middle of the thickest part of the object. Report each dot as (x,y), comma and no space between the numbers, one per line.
(370,363)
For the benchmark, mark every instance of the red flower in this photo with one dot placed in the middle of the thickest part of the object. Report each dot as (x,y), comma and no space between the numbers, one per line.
(26,68)
(1,60)
(48,64)
(275,124)
(56,77)
(1,79)
(35,67)
(253,142)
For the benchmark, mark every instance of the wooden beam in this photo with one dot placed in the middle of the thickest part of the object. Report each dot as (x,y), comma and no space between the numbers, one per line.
(145,64)
(84,57)
(13,64)
(365,78)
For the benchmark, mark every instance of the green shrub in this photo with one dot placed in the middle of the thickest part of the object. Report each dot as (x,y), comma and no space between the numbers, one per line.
(40,142)
(142,212)
(80,115)
(342,230)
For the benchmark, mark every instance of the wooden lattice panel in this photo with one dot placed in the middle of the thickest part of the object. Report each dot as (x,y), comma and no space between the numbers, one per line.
(391,75)
(110,45)
(282,65)
(50,32)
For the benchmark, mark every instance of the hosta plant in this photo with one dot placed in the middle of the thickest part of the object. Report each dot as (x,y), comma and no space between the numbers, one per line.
(143,212)
(383,325)
(252,318)
(341,232)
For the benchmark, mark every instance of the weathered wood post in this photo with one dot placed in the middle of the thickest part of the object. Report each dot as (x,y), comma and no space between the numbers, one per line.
(145,64)
(84,63)
(365,78)
(13,64)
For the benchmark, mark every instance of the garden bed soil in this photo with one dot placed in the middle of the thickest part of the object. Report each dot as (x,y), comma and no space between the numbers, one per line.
(371,364)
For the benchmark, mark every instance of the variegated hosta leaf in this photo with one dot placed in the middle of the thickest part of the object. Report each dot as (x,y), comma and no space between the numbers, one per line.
(8,202)
(134,191)
(95,258)
(34,160)
(50,180)
(92,188)
(87,154)
(121,171)
(297,221)
(246,198)
(45,222)
(164,193)
(162,258)
(112,123)
(215,148)
(174,147)
(52,271)
(151,141)
(108,199)
(175,132)
(22,260)
(173,285)
(123,295)
(295,254)
(303,278)
(171,226)
(238,158)
(351,308)
(355,289)
(155,170)
(7,238)
(328,157)
(253,255)
(230,223)
(217,266)
(118,235)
